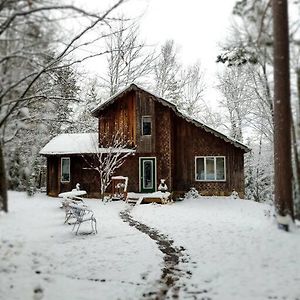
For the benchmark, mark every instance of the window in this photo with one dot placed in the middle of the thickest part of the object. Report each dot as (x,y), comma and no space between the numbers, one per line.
(65,169)
(210,168)
(147,174)
(146,125)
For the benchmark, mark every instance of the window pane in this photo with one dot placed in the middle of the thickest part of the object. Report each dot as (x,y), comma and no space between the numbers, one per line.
(220,168)
(210,168)
(148,182)
(200,168)
(65,169)
(146,126)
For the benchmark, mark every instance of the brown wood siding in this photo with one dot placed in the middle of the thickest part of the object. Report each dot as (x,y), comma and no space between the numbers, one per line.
(130,168)
(174,142)
(119,117)
(80,173)
(164,144)
(145,107)
(191,141)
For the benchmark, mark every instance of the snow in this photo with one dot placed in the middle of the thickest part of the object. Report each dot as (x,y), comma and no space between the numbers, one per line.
(158,194)
(71,144)
(38,250)
(76,143)
(73,193)
(235,250)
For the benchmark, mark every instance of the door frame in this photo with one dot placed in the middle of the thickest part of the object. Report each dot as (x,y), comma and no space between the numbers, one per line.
(154,169)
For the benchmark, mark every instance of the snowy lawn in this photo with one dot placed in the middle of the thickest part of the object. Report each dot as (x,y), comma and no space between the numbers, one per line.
(235,251)
(39,253)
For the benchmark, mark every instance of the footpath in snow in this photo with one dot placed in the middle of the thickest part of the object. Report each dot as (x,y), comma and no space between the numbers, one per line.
(233,247)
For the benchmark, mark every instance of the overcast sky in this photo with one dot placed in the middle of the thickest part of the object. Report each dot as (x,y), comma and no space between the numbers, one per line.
(197,26)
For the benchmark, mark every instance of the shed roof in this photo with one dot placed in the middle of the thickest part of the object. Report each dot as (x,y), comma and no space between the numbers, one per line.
(76,143)
(135,87)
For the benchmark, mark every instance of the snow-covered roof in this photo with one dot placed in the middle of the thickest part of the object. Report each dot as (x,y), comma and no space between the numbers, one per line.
(134,86)
(76,143)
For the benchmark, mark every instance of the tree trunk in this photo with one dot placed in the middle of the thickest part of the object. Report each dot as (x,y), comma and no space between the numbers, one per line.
(296,169)
(282,111)
(295,138)
(298,106)
(3,186)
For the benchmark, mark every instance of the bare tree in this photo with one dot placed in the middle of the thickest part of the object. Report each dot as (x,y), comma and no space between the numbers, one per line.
(238,98)
(249,48)
(166,73)
(90,97)
(193,87)
(128,58)
(183,86)
(25,62)
(107,158)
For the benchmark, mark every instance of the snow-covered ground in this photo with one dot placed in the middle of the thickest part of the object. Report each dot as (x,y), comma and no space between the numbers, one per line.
(235,251)
(39,252)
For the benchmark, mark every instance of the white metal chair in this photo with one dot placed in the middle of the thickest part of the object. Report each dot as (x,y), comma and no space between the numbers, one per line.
(82,214)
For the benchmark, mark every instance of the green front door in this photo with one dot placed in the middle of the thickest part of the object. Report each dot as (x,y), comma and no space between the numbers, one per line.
(147,174)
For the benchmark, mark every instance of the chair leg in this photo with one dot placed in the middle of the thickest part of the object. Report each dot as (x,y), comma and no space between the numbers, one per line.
(79,223)
(92,225)
(95,224)
(68,217)
(74,225)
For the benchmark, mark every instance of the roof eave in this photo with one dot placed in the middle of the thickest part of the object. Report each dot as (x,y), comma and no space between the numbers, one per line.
(134,86)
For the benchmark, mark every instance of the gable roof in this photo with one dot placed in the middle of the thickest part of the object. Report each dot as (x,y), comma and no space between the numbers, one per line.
(135,87)
(76,143)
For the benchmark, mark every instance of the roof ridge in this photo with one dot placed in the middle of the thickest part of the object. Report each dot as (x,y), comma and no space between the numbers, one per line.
(197,123)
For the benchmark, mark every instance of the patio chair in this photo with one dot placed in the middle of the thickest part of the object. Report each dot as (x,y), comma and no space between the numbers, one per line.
(69,212)
(82,214)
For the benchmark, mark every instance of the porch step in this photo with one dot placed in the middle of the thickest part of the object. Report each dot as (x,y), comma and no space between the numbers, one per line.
(135,200)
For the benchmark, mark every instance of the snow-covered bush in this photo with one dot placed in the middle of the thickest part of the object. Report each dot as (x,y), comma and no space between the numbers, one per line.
(192,194)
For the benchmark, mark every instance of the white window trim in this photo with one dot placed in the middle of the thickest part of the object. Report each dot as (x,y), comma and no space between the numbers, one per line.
(215,168)
(61,177)
(143,117)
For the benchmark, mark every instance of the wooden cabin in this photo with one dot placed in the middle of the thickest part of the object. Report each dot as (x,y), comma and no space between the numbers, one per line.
(168,145)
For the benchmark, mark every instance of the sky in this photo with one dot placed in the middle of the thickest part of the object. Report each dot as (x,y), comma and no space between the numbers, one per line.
(197,27)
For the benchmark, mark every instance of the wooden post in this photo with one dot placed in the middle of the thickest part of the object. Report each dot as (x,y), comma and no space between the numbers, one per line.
(282,111)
